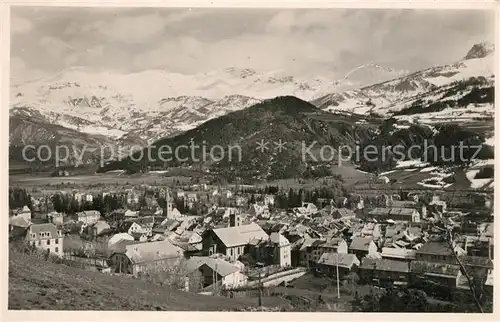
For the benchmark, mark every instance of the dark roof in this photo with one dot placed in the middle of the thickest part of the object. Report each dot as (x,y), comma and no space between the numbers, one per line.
(359,243)
(393,211)
(342,260)
(402,211)
(476,261)
(38,229)
(402,204)
(385,265)
(125,226)
(435,248)
(434,268)
(344,212)
(136,235)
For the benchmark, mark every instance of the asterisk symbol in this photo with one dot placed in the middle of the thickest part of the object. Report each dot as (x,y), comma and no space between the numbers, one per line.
(262,146)
(280,146)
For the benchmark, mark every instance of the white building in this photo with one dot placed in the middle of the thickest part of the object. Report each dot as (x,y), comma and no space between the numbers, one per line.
(89,217)
(25,213)
(282,250)
(217,270)
(45,237)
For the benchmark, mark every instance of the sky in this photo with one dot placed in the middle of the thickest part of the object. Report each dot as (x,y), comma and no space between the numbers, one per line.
(46,40)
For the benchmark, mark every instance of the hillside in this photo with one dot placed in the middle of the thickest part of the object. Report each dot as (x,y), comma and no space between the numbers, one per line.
(41,285)
(31,128)
(287,118)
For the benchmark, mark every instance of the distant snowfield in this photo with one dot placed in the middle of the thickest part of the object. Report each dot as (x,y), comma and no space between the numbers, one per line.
(411,164)
(462,114)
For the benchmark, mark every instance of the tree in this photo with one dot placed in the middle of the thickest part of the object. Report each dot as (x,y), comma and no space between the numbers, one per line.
(175,275)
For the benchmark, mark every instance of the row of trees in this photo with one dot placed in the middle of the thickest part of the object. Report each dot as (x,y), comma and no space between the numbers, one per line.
(18,198)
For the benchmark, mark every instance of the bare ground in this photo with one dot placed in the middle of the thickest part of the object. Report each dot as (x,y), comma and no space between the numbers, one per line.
(36,284)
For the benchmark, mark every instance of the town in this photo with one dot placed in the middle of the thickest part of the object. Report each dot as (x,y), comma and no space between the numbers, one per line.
(225,241)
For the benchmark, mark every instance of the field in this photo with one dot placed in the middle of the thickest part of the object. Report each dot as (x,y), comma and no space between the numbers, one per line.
(35,284)
(108,181)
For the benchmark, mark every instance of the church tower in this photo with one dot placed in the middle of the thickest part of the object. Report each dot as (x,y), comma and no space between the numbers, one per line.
(169,206)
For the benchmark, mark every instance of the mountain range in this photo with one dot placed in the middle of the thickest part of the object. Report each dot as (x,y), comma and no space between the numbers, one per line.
(134,110)
(430,84)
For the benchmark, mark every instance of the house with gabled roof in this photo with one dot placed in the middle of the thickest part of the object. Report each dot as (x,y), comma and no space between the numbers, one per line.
(401,254)
(218,270)
(45,237)
(329,262)
(23,212)
(146,257)
(363,246)
(88,217)
(442,274)
(232,241)
(385,270)
(438,252)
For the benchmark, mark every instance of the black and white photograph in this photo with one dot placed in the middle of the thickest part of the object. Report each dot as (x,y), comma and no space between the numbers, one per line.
(234,159)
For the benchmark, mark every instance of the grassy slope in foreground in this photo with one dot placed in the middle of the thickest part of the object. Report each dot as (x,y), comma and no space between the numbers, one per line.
(35,284)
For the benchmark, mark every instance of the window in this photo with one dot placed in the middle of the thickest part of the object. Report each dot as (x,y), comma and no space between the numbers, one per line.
(39,243)
(231,252)
(48,242)
(57,241)
(57,250)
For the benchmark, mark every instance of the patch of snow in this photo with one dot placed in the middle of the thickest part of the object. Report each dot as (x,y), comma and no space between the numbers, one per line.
(411,163)
(490,141)
(387,172)
(428,169)
(476,183)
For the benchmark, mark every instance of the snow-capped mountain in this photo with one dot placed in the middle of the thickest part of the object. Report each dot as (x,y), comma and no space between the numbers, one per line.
(428,86)
(151,104)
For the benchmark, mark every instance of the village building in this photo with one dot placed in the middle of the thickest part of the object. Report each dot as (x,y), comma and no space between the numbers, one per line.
(17,227)
(232,241)
(146,257)
(130,227)
(89,198)
(274,251)
(45,237)
(380,271)
(140,236)
(24,212)
(329,263)
(441,274)
(146,224)
(131,214)
(363,246)
(400,254)
(132,198)
(56,218)
(88,217)
(118,237)
(395,214)
(343,213)
(438,252)
(260,211)
(100,228)
(217,271)
(438,203)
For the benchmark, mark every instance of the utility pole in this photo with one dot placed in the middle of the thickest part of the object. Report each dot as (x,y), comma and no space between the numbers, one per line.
(462,267)
(338,282)
(260,290)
